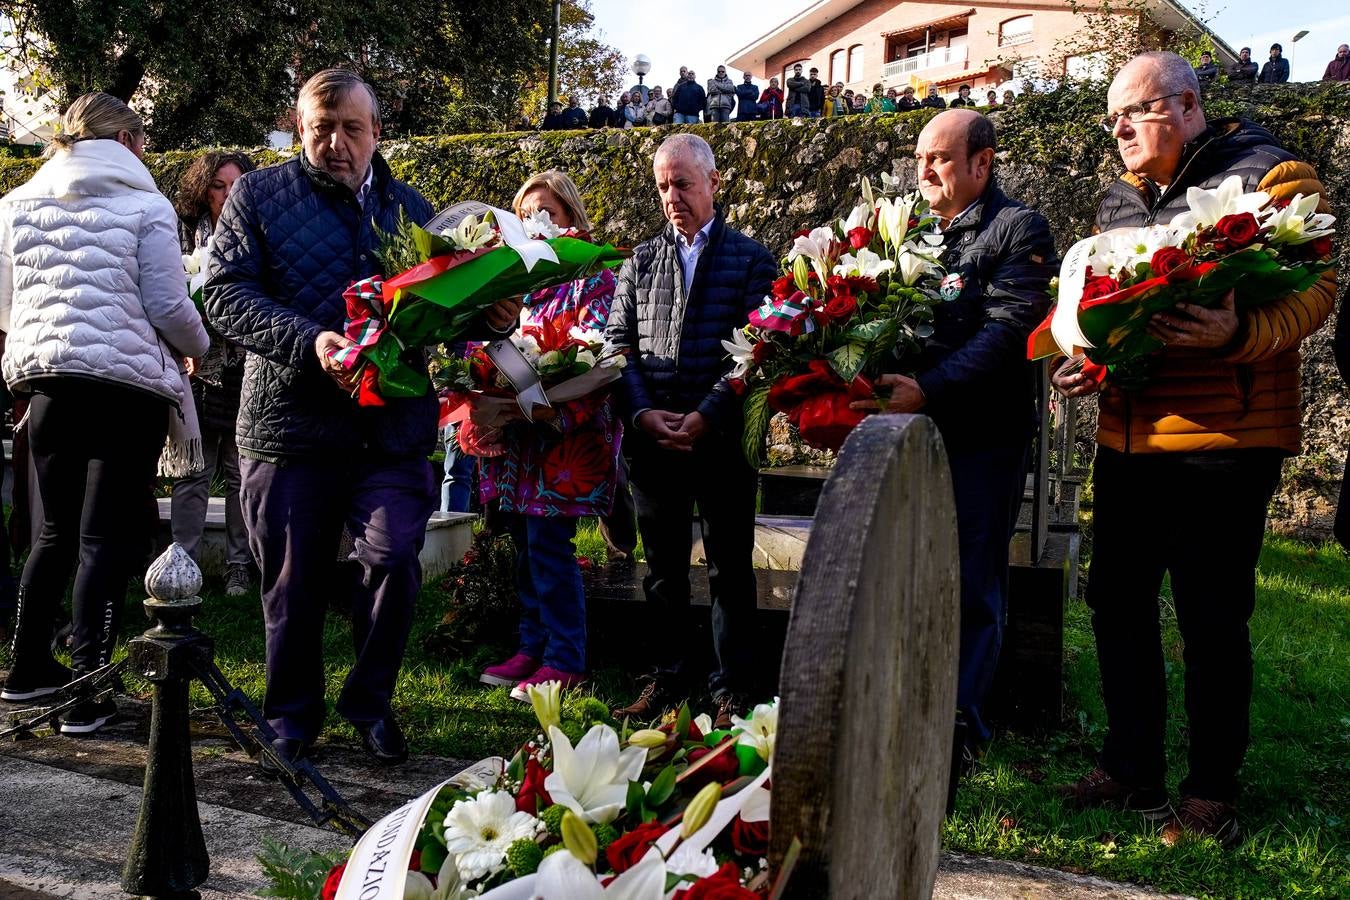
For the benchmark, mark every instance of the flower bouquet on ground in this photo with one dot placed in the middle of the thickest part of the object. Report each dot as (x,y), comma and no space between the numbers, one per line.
(676,811)
(1111,284)
(856,294)
(467,258)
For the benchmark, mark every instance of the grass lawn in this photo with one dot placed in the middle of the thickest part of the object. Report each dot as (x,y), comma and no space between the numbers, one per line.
(1296,811)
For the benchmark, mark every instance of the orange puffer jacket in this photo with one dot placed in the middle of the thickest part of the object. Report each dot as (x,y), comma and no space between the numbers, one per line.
(1248,394)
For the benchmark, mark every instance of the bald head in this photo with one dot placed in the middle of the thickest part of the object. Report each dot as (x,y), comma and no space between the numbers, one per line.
(955,157)
(1153,109)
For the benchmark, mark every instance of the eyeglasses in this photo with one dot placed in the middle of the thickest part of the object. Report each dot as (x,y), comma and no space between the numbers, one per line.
(1133,111)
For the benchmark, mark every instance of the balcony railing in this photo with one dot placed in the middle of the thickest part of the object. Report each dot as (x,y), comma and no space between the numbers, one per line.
(943,56)
(1012,40)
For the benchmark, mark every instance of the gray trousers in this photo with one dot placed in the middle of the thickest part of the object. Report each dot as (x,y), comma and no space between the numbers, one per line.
(188,509)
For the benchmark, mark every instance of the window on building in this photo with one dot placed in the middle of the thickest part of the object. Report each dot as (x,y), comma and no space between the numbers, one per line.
(838,66)
(1014,31)
(957,38)
(855,63)
(1087,66)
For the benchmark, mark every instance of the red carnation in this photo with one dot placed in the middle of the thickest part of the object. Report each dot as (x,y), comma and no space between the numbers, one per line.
(750,838)
(1168,259)
(840,307)
(784,287)
(1320,248)
(737,386)
(533,797)
(861,284)
(1239,229)
(721,768)
(330,884)
(725,884)
(628,849)
(1099,286)
(859,237)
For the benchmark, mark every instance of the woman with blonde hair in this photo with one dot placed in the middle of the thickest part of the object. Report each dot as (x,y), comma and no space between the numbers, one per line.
(557,468)
(94,302)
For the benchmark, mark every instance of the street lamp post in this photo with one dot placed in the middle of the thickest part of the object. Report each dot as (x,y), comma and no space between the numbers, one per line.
(641,66)
(1293,50)
(553,54)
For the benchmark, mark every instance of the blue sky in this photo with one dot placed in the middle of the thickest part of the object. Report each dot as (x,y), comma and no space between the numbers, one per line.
(703,33)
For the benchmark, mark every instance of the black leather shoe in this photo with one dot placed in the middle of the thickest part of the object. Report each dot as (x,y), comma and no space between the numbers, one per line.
(383,740)
(290,749)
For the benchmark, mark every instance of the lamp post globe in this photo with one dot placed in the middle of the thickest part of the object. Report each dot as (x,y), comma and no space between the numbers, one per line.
(641,66)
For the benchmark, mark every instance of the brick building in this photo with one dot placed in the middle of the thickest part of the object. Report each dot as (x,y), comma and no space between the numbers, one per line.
(987,44)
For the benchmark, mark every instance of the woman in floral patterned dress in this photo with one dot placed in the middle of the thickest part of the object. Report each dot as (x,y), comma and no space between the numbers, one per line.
(556,469)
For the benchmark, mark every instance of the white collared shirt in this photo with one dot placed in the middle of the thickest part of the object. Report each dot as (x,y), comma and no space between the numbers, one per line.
(364,191)
(690,251)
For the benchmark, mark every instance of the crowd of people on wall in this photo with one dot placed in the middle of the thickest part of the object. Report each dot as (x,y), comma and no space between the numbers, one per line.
(121,373)
(1275,70)
(721,100)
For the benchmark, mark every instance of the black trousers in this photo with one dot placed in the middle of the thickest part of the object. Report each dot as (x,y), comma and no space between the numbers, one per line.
(1201,518)
(667,484)
(95,446)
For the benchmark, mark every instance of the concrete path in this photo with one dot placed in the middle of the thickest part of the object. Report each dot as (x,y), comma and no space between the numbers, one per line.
(68,808)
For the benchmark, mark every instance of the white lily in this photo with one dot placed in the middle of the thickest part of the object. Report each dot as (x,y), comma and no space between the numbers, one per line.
(471,233)
(756,808)
(1209,206)
(912,264)
(564,877)
(1299,222)
(447,887)
(539,225)
(191,264)
(866,264)
(815,248)
(741,351)
(546,697)
(893,217)
(868,196)
(592,778)
(704,723)
(860,217)
(760,730)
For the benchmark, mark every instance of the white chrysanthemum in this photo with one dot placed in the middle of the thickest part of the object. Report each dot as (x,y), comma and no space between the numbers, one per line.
(592,337)
(478,831)
(527,345)
(539,225)
(760,730)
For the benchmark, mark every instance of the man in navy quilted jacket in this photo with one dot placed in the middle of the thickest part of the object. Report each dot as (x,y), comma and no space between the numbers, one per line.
(290,240)
(679,295)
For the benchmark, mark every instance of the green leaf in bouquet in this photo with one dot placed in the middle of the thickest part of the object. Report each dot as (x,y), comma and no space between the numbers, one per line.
(662,787)
(866,332)
(713,738)
(756,424)
(433,855)
(749,759)
(847,360)
(635,800)
(682,721)
(515,769)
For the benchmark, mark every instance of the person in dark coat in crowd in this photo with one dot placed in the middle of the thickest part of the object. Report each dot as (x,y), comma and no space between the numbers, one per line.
(963,98)
(574,116)
(602,116)
(973,380)
(815,93)
(1276,69)
(689,100)
(771,101)
(290,241)
(1207,71)
(1339,68)
(1244,70)
(798,90)
(678,296)
(933,100)
(553,120)
(721,95)
(217,378)
(906,102)
(747,99)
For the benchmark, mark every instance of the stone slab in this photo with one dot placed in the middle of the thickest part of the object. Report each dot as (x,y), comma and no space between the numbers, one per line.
(962,877)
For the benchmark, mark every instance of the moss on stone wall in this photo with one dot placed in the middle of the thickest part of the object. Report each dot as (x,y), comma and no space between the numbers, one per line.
(781,176)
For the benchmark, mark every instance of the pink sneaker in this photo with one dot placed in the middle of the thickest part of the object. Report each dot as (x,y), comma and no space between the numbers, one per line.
(510,673)
(547,673)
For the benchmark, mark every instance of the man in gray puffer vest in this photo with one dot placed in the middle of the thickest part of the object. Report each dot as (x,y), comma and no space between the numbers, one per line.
(290,240)
(680,294)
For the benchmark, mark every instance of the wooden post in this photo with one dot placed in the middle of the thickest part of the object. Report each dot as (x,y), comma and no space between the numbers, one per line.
(868,689)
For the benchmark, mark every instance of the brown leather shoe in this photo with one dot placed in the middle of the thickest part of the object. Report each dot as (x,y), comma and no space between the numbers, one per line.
(1097,788)
(652,701)
(1198,818)
(725,705)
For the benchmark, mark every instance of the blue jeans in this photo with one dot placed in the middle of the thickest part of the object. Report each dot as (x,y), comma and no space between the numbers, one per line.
(988,486)
(548,580)
(682,119)
(457,486)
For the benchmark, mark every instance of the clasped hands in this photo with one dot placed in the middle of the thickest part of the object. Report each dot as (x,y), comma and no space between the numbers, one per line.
(671,430)
(906,396)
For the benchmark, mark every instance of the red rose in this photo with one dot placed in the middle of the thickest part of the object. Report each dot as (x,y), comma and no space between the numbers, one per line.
(737,386)
(1239,230)
(1099,286)
(628,849)
(1320,248)
(784,287)
(840,307)
(725,884)
(750,838)
(1168,259)
(763,351)
(859,237)
(532,796)
(330,884)
(721,768)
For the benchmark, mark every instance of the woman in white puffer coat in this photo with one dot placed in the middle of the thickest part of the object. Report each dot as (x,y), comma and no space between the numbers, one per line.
(94,302)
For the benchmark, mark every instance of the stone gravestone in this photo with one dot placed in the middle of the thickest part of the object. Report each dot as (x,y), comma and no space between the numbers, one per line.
(868,688)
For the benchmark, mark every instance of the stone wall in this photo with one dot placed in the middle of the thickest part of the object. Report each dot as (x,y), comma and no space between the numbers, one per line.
(781,176)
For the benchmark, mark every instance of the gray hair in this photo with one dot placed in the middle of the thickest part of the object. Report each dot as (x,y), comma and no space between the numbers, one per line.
(1174,73)
(691,145)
